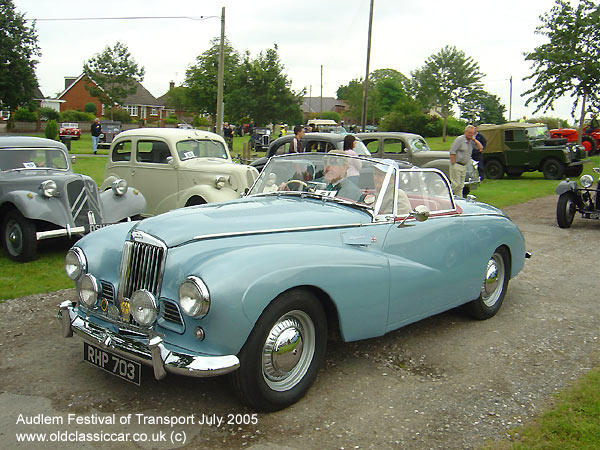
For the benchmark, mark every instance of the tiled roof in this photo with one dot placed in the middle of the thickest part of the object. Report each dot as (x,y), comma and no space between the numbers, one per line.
(313,104)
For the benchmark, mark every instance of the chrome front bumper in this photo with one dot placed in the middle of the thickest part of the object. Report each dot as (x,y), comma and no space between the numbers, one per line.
(153,352)
(68,231)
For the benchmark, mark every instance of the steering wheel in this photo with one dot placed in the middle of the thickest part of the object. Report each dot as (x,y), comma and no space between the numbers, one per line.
(300,182)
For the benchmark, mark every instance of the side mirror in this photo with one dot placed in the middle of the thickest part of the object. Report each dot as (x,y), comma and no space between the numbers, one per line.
(420,213)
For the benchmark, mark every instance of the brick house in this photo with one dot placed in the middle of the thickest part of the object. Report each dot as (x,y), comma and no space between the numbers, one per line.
(140,105)
(312,105)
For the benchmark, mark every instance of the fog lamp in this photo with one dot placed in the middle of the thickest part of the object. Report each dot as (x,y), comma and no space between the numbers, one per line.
(88,290)
(144,308)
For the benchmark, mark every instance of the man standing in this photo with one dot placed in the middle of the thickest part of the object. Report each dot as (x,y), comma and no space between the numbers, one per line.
(460,153)
(228,135)
(296,144)
(96,130)
(477,155)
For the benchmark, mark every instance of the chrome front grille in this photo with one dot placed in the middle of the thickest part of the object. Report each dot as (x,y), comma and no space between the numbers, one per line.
(83,202)
(142,265)
(171,313)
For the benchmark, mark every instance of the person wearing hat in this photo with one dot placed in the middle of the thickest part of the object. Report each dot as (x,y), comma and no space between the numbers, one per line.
(387,204)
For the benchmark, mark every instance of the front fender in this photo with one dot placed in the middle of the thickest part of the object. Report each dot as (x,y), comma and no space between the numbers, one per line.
(116,208)
(209,193)
(565,186)
(35,207)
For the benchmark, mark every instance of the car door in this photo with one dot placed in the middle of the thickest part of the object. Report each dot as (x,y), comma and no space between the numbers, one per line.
(429,265)
(119,164)
(153,176)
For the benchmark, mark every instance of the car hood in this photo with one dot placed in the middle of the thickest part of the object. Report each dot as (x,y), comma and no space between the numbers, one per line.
(249,215)
(433,154)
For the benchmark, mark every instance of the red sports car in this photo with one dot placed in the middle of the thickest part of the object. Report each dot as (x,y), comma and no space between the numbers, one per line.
(69,129)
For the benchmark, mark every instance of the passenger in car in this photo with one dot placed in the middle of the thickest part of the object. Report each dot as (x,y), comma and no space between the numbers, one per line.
(387,204)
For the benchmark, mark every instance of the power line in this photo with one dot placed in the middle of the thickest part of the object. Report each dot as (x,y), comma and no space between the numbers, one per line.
(123,18)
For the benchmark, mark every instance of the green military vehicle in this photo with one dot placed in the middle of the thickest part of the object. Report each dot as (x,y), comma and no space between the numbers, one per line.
(514,148)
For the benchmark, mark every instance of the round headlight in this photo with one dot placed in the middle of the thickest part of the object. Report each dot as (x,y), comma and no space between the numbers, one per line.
(119,187)
(75,263)
(143,307)
(49,188)
(586,181)
(220,181)
(88,290)
(194,297)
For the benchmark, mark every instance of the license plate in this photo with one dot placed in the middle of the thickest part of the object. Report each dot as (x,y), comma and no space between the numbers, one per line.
(117,365)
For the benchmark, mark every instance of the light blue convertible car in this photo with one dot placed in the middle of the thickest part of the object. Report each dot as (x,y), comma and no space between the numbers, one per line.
(322,244)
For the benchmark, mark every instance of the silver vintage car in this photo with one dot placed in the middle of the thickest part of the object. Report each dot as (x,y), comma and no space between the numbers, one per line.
(41,197)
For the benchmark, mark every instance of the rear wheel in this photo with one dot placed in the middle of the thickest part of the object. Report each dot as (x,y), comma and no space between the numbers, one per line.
(18,237)
(553,169)
(565,210)
(493,289)
(280,360)
(494,169)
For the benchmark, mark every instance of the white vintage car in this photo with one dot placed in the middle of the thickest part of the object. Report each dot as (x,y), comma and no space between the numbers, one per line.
(174,168)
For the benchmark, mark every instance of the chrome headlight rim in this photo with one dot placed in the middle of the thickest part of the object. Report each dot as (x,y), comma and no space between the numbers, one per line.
(119,187)
(88,291)
(221,181)
(78,261)
(144,307)
(198,304)
(586,181)
(49,188)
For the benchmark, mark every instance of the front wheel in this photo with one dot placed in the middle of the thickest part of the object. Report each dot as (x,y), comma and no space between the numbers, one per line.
(493,289)
(18,237)
(494,170)
(565,210)
(280,360)
(553,169)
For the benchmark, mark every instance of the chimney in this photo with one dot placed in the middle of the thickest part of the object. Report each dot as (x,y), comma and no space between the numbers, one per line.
(171,85)
(69,81)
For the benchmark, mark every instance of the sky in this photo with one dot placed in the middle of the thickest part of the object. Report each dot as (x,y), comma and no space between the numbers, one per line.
(331,34)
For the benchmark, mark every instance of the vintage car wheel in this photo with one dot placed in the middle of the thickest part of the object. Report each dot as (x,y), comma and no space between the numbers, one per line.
(280,360)
(494,170)
(565,210)
(493,289)
(589,143)
(553,169)
(18,237)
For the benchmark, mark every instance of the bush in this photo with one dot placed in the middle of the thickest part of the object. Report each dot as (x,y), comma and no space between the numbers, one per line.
(455,127)
(201,121)
(118,114)
(90,108)
(551,122)
(24,115)
(51,131)
(76,116)
(48,113)
(171,120)
(332,115)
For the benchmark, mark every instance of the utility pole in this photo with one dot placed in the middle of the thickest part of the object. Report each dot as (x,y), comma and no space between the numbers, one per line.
(321,109)
(219,121)
(510,101)
(366,89)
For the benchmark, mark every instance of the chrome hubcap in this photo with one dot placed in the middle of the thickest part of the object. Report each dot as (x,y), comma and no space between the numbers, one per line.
(288,350)
(14,237)
(494,280)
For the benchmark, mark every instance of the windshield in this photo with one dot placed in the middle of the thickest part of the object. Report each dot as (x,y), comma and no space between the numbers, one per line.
(70,125)
(45,158)
(378,185)
(538,133)
(194,148)
(418,144)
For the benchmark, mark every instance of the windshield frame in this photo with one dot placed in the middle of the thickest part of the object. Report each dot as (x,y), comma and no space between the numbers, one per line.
(65,160)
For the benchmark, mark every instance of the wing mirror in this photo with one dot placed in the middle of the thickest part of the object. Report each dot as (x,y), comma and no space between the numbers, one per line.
(420,213)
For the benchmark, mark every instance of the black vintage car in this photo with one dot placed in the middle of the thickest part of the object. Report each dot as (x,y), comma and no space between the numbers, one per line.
(582,198)
(312,142)
(110,128)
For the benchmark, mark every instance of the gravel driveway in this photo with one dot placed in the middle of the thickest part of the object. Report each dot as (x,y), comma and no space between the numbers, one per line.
(446,382)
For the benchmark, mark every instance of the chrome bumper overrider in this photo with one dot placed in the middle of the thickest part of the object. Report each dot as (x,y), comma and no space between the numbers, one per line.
(153,352)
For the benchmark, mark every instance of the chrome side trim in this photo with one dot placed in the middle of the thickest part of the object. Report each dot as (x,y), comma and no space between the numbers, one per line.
(150,352)
(276,230)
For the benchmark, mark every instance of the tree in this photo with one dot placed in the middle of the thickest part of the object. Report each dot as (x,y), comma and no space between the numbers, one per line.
(482,107)
(446,80)
(114,73)
(201,78)
(569,63)
(18,49)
